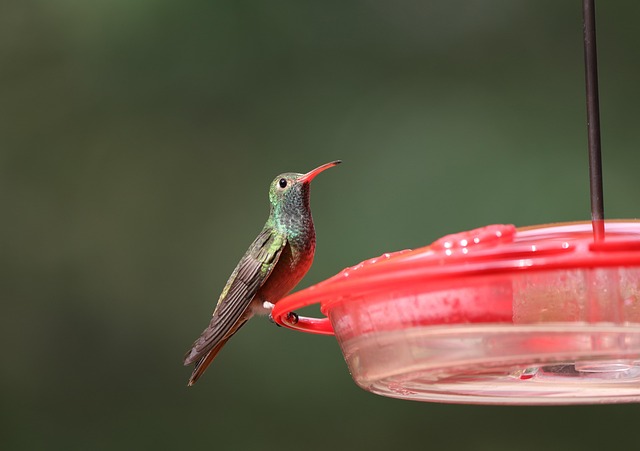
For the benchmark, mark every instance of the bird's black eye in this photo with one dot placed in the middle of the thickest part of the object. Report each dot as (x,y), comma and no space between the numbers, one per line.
(282,183)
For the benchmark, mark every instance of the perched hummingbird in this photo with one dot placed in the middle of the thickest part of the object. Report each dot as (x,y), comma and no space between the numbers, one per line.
(272,266)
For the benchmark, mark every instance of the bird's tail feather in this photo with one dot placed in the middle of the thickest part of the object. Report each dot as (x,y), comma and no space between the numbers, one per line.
(204,362)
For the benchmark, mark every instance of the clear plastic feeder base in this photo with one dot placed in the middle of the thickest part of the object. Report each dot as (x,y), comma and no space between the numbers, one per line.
(497,364)
(496,315)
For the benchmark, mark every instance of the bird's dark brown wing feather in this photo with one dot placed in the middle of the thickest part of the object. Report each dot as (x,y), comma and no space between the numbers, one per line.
(252,271)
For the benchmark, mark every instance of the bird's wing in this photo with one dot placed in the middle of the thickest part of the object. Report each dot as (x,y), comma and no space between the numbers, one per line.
(252,271)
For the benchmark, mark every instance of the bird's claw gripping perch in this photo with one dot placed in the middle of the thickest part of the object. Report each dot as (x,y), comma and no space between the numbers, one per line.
(269,306)
(273,320)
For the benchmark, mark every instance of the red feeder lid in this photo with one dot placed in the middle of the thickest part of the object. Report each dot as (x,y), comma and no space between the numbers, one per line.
(537,315)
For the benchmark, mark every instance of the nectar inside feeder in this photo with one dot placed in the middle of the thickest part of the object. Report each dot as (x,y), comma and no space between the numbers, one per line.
(541,315)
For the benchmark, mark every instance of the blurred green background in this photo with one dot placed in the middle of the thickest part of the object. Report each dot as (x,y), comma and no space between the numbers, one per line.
(137,142)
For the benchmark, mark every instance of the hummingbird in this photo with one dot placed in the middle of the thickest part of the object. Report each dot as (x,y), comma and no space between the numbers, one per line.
(272,266)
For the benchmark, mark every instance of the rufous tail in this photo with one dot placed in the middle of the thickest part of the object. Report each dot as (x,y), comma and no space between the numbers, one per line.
(203,363)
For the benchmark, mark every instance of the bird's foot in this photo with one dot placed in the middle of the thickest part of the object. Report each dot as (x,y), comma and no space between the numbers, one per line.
(273,320)
(269,307)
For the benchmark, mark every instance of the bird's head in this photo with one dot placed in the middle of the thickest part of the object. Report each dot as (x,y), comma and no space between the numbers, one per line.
(289,192)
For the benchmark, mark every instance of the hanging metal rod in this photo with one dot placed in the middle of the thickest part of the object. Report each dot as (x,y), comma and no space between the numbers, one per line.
(593,117)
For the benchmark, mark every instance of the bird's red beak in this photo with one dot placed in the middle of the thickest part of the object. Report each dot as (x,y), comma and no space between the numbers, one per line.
(306,178)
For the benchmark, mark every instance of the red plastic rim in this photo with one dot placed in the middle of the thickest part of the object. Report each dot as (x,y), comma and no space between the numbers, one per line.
(488,251)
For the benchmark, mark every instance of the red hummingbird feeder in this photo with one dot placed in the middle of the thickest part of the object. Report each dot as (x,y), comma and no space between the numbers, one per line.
(541,315)
(497,315)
